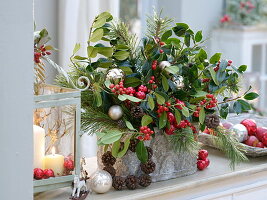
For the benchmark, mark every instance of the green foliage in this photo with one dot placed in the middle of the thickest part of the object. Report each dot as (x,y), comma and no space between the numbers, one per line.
(184,141)
(229,145)
(141,152)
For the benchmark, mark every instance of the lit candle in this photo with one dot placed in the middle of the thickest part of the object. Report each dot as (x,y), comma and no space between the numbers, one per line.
(54,162)
(38,146)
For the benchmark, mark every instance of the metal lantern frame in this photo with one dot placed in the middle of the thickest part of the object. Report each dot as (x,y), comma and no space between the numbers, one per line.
(65,97)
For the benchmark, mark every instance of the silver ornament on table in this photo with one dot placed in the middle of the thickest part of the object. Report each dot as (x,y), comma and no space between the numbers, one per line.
(240,132)
(164,64)
(115,112)
(100,181)
(115,74)
(178,82)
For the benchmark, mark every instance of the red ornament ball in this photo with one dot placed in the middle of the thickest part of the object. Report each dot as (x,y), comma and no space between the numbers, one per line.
(203,154)
(207,161)
(38,173)
(201,164)
(48,173)
(69,164)
(251,126)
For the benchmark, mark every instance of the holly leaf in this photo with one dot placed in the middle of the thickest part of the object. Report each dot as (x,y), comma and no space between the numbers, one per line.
(185,111)
(242,68)
(202,115)
(213,75)
(151,103)
(202,55)
(141,152)
(198,36)
(237,107)
(166,35)
(165,83)
(177,116)
(172,69)
(215,58)
(132,82)
(251,96)
(146,119)
(244,105)
(163,120)
(224,111)
(160,99)
(129,125)
(97,35)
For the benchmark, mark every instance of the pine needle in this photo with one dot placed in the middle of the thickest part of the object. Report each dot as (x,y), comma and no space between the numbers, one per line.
(184,141)
(156,25)
(229,145)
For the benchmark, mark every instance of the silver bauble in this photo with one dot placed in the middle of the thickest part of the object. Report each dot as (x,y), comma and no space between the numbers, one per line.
(115,74)
(164,64)
(100,181)
(240,132)
(179,82)
(115,112)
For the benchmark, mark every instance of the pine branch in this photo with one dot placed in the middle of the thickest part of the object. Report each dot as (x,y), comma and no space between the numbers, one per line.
(229,145)
(184,141)
(121,32)
(94,120)
(156,25)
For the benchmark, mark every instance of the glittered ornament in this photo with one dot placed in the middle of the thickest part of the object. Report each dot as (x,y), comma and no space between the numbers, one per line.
(239,131)
(38,173)
(251,126)
(100,181)
(48,173)
(178,82)
(115,112)
(115,75)
(164,64)
(227,125)
(69,164)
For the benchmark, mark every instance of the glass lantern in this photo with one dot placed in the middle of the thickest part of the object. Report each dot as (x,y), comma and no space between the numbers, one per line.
(56,135)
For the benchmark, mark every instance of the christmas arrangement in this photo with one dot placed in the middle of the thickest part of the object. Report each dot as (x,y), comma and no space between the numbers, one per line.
(164,88)
(244,12)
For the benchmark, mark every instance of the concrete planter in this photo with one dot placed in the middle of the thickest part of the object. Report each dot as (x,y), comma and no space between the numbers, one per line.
(169,164)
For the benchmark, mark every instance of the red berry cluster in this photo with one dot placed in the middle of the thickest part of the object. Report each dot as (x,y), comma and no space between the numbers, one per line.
(38,173)
(152,81)
(218,65)
(147,133)
(120,89)
(162,108)
(196,113)
(154,65)
(174,125)
(205,80)
(42,52)
(202,161)
(179,104)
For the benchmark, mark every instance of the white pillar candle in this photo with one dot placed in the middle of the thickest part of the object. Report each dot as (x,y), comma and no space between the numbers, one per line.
(54,162)
(39,146)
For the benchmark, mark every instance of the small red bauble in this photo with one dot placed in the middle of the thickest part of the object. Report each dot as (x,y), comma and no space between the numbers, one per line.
(207,162)
(38,173)
(69,165)
(201,164)
(48,173)
(260,145)
(264,139)
(251,126)
(260,132)
(203,154)
(252,141)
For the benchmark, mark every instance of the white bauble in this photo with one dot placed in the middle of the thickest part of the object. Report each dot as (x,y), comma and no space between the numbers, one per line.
(240,132)
(100,182)
(115,112)
(164,64)
(115,74)
(179,82)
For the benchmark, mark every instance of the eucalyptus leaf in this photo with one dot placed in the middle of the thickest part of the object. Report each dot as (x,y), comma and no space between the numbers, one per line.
(151,102)
(125,148)
(177,116)
(202,115)
(91,52)
(213,75)
(160,99)
(115,148)
(97,35)
(76,48)
(121,55)
(105,51)
(141,152)
(111,136)
(162,120)
(165,83)
(129,125)
(185,111)
(172,69)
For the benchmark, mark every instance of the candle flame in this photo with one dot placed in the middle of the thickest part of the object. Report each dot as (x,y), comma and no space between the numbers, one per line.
(53,151)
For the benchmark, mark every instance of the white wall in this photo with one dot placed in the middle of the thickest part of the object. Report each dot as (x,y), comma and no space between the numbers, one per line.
(16,99)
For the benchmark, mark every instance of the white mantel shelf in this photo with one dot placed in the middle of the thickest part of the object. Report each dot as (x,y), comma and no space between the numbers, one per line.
(217,182)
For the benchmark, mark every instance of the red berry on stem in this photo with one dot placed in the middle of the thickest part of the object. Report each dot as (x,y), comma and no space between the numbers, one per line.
(170,117)
(161,51)
(162,43)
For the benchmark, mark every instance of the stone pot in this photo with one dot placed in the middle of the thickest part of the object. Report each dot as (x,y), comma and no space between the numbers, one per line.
(169,164)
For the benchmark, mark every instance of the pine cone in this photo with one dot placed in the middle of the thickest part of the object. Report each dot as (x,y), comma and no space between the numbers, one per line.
(145,180)
(149,152)
(121,124)
(108,159)
(148,167)
(110,169)
(131,182)
(133,143)
(212,121)
(137,112)
(118,182)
